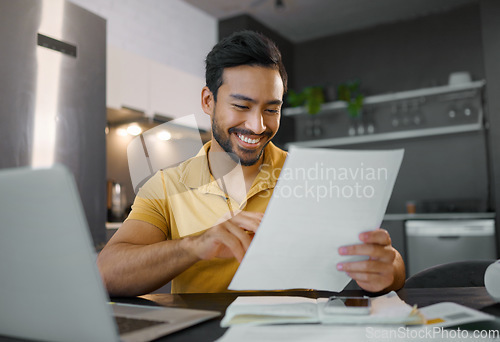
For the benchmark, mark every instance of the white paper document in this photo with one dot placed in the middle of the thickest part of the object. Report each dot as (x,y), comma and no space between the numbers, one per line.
(323,200)
(448,314)
(350,333)
(438,316)
(264,310)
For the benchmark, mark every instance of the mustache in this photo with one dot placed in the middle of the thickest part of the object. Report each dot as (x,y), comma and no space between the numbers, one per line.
(266,133)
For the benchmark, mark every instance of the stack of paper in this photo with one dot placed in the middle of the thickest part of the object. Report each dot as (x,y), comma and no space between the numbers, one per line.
(386,309)
(249,321)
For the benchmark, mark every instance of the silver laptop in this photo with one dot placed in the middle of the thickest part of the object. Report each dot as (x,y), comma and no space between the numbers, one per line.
(50,287)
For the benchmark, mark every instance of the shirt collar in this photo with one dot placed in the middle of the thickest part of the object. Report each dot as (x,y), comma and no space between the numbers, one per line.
(195,172)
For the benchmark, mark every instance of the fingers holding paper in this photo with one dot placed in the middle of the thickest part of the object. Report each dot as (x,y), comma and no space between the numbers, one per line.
(383,270)
(227,239)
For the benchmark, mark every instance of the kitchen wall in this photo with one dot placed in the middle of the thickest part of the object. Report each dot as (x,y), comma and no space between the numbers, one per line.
(490,12)
(398,56)
(410,55)
(246,22)
(416,54)
(170,32)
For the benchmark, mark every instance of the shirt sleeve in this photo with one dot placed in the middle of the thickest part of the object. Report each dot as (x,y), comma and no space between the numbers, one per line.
(150,204)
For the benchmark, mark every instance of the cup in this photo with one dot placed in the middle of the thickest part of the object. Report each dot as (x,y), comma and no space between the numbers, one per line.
(492,280)
(459,78)
(411,207)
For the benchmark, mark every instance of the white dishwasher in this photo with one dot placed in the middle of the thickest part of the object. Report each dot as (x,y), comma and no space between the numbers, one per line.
(434,242)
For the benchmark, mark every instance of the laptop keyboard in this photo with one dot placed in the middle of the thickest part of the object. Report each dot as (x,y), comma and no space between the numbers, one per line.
(126,324)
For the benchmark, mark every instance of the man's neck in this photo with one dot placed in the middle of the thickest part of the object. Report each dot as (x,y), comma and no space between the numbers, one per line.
(222,165)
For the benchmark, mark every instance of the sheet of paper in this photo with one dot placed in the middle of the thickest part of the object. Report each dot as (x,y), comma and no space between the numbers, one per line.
(256,310)
(449,314)
(294,332)
(351,333)
(274,305)
(324,198)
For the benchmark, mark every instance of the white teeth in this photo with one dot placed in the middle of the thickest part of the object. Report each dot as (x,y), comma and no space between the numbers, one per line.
(248,140)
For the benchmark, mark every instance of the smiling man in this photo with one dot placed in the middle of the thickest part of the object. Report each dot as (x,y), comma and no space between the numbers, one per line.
(192,224)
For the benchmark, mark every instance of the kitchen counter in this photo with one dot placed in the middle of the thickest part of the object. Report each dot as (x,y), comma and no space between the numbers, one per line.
(439,216)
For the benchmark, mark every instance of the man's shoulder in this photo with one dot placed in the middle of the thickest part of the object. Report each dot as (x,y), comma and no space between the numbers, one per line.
(277,155)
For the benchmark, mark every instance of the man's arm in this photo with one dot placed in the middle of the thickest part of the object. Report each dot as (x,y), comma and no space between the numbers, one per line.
(138,259)
(383,271)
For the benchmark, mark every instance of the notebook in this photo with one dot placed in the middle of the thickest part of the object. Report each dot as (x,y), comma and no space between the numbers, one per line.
(50,287)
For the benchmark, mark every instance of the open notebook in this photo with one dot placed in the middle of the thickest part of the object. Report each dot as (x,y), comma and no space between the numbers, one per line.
(50,287)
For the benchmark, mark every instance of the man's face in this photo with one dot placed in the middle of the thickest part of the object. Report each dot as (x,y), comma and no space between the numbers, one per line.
(247,113)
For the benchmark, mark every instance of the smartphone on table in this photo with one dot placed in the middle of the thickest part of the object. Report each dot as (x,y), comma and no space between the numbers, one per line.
(348,305)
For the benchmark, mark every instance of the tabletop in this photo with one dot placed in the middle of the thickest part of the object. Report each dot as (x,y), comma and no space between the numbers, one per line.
(473,297)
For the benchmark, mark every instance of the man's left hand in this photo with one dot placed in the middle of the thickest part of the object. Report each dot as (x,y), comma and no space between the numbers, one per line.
(383,270)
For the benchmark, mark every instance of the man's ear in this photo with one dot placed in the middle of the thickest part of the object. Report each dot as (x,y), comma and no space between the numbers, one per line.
(207,101)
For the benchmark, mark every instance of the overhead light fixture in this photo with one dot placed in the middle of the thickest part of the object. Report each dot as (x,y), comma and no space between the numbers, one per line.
(134,129)
(122,132)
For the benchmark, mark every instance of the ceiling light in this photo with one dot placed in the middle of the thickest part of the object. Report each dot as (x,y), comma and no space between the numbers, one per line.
(164,135)
(122,132)
(134,129)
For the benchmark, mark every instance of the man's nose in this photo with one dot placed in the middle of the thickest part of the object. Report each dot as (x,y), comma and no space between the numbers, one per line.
(255,122)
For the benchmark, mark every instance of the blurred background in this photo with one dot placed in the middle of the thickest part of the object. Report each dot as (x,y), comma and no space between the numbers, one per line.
(81,79)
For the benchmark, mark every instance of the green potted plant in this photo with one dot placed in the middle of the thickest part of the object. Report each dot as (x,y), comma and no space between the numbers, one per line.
(350,93)
(310,97)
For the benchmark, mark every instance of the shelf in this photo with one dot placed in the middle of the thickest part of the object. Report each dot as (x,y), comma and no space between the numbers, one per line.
(400,96)
(360,139)
(446,93)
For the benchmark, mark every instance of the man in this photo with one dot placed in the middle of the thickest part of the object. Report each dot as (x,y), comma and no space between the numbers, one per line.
(192,224)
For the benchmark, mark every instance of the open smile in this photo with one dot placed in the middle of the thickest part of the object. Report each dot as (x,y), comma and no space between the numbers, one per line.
(247,139)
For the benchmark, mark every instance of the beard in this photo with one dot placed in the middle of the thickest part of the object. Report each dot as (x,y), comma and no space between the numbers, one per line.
(237,153)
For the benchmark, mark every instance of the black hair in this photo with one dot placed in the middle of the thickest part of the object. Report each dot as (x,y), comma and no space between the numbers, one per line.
(242,48)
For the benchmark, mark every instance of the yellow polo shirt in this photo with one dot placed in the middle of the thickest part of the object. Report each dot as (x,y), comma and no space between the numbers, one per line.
(186,200)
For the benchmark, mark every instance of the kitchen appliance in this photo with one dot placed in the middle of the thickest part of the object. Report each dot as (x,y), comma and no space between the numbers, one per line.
(434,242)
(492,280)
(53,95)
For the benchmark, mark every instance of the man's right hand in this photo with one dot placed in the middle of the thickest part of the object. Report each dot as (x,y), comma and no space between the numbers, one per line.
(230,238)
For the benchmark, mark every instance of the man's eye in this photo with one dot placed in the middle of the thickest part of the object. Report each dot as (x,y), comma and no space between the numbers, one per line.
(273,111)
(240,106)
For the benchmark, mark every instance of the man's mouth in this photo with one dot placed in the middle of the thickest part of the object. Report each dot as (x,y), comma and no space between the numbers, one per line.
(248,140)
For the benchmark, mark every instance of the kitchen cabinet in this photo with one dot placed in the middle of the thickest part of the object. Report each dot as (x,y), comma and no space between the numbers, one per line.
(144,85)
(127,80)
(174,93)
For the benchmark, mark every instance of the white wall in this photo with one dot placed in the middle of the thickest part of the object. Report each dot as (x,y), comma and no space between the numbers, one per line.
(156,54)
(170,32)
